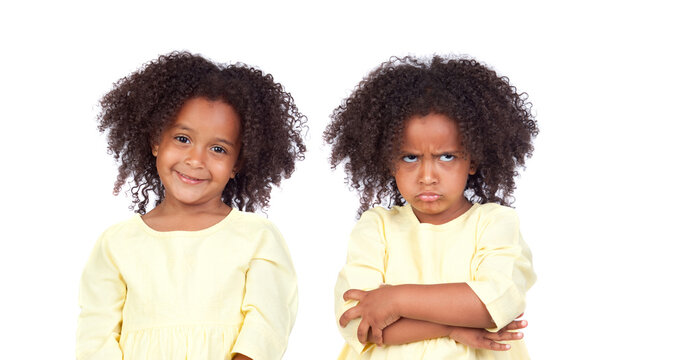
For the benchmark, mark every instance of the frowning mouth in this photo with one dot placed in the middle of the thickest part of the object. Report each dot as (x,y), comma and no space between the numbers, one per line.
(428,196)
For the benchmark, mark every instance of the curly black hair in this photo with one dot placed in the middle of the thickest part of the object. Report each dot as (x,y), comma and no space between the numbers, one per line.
(143,104)
(495,121)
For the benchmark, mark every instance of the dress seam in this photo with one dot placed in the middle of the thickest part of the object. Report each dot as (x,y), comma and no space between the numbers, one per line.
(181,326)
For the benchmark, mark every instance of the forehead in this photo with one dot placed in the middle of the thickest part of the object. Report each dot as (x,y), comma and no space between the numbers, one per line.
(432,130)
(200,114)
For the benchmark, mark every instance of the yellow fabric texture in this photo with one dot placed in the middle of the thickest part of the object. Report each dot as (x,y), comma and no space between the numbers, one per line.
(207,294)
(482,247)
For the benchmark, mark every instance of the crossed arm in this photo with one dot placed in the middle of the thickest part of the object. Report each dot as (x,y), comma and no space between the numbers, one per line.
(501,273)
(241,357)
(406,330)
(401,314)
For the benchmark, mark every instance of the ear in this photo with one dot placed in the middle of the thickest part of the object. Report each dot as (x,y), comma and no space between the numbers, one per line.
(237,167)
(155,150)
(393,168)
(473,168)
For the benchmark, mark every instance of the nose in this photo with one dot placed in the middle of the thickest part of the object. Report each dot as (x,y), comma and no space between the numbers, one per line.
(195,157)
(427,172)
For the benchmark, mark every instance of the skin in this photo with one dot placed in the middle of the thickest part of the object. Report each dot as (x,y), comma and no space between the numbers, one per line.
(432,169)
(452,304)
(196,157)
(405,331)
(483,339)
(431,174)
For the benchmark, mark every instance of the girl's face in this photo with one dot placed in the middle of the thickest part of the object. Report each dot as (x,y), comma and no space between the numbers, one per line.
(432,169)
(198,153)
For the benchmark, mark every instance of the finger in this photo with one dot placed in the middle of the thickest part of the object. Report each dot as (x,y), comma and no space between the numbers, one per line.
(377,336)
(362,332)
(349,315)
(516,325)
(499,347)
(354,294)
(504,336)
(485,343)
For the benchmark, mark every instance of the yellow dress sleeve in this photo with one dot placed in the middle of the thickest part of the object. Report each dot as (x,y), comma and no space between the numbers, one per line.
(270,301)
(502,269)
(364,270)
(102,296)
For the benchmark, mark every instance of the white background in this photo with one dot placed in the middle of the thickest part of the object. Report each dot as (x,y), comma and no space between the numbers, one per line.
(594,201)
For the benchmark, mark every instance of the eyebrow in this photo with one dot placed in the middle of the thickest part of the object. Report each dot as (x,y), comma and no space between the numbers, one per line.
(225,141)
(408,151)
(221,140)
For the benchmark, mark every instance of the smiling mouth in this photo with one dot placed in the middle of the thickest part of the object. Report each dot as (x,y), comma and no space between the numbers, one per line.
(428,197)
(189,179)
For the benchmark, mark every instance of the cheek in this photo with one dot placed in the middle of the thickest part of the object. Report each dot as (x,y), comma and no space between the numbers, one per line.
(166,157)
(161,162)
(222,168)
(405,180)
(457,179)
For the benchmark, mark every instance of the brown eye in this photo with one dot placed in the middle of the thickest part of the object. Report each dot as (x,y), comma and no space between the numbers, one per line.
(219,149)
(447,157)
(410,158)
(183,139)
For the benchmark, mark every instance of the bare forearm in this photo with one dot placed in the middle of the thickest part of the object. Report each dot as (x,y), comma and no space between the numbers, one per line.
(451,304)
(406,331)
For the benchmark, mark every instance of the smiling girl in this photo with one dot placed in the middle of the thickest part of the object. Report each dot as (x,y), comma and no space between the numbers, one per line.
(194,277)
(443,271)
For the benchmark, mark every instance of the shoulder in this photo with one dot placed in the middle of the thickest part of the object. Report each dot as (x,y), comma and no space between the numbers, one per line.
(251,221)
(253,227)
(492,212)
(117,236)
(381,222)
(259,234)
(496,224)
(123,228)
(384,215)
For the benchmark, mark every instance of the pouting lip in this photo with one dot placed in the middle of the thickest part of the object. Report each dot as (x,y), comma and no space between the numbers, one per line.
(428,196)
(428,193)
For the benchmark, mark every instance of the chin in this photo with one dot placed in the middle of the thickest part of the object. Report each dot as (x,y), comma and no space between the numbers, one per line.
(428,208)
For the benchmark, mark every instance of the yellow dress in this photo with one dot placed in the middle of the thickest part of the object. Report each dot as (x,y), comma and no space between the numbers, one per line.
(482,247)
(230,288)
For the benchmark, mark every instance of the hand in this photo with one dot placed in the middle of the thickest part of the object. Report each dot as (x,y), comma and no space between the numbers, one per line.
(483,339)
(241,357)
(377,310)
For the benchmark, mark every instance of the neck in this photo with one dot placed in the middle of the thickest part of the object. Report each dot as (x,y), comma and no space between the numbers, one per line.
(444,217)
(174,208)
(169,216)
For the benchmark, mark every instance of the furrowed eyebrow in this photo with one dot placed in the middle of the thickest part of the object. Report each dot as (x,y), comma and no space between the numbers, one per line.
(451,152)
(456,152)
(459,154)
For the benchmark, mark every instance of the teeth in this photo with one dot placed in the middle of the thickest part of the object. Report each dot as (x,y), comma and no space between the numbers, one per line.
(189,177)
